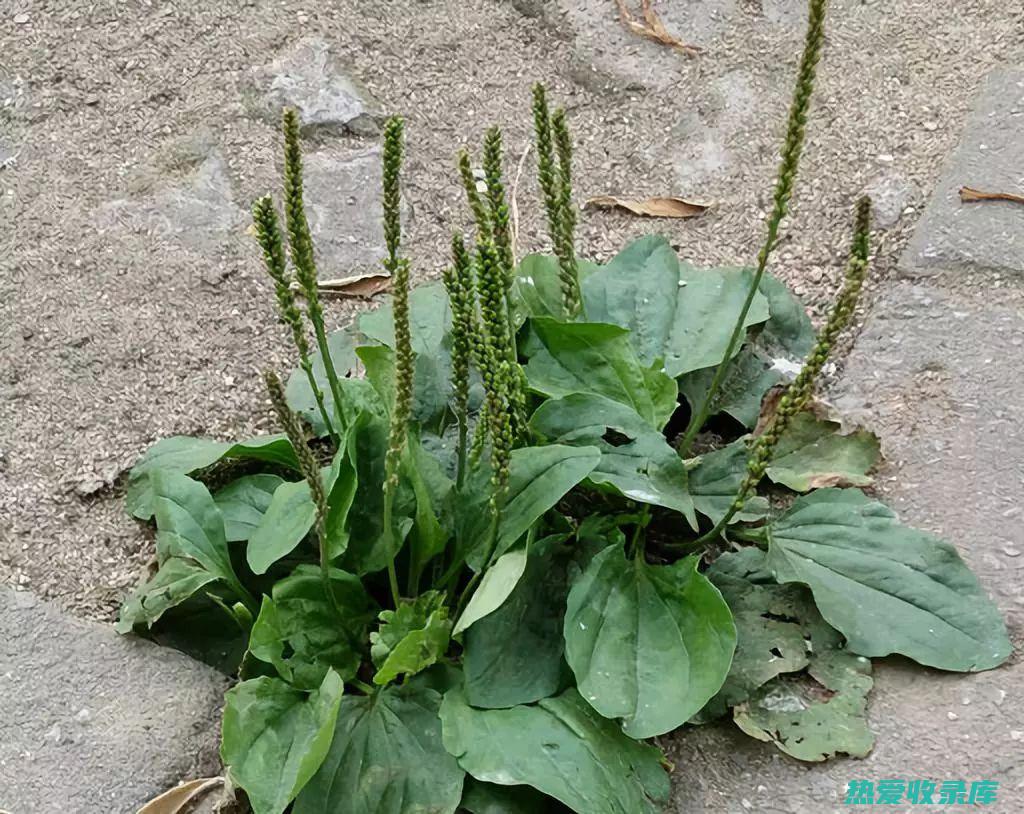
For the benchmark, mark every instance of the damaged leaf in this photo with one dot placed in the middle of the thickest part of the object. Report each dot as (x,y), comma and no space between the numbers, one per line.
(180,799)
(358,286)
(653,28)
(816,453)
(654,207)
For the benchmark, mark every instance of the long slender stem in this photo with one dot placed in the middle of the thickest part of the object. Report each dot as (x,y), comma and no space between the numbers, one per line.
(783,193)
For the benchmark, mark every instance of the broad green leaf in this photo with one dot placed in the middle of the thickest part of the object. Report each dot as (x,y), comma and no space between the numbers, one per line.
(183,455)
(817,716)
(498,582)
(303,633)
(430,320)
(411,638)
(298,392)
(788,331)
(539,477)
(648,644)
(369,548)
(886,587)
(176,581)
(286,522)
(488,798)
(537,287)
(749,377)
(432,489)
(814,453)
(513,655)
(676,314)
(386,758)
(561,747)
(715,480)
(592,357)
(636,460)
(189,524)
(274,738)
(243,503)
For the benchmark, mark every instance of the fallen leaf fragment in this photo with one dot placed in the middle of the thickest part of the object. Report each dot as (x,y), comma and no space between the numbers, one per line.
(358,286)
(180,798)
(656,207)
(653,28)
(970,195)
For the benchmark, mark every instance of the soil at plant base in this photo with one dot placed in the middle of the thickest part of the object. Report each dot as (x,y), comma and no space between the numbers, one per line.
(132,141)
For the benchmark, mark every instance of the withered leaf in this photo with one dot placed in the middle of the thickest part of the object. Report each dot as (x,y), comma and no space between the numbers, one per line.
(358,286)
(970,195)
(654,207)
(653,28)
(180,798)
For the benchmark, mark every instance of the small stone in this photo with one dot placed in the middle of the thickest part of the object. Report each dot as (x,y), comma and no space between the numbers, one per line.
(952,716)
(21,19)
(1010,551)
(1017,735)
(307,79)
(931,127)
(889,195)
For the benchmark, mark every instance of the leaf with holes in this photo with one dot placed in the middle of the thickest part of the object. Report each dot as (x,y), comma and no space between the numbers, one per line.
(815,453)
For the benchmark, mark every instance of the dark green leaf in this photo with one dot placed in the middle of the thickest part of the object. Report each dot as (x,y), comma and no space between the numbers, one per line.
(386,758)
(636,460)
(183,455)
(189,525)
(369,548)
(488,798)
(591,357)
(275,737)
(886,587)
(788,332)
(302,633)
(749,377)
(411,638)
(298,392)
(675,313)
(498,582)
(513,655)
(432,489)
(243,503)
(715,480)
(537,287)
(561,747)
(430,320)
(814,453)
(648,644)
(539,477)
(176,581)
(286,522)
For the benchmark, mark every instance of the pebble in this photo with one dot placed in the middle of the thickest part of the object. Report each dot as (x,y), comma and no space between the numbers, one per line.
(1010,551)
(952,716)
(21,19)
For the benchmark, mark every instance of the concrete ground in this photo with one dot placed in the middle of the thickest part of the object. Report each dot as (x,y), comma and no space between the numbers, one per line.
(134,137)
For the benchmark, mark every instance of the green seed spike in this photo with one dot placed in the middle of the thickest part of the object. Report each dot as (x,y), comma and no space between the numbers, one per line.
(404,369)
(498,379)
(497,202)
(546,172)
(476,204)
(566,242)
(301,245)
(790,161)
(801,389)
(393,130)
(458,280)
(268,234)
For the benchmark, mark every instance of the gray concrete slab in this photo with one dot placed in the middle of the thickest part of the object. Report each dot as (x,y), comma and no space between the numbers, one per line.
(939,372)
(96,723)
(954,236)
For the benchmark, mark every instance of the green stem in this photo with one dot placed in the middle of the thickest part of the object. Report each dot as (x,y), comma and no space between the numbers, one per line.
(362,686)
(389,499)
(319,398)
(788,166)
(332,375)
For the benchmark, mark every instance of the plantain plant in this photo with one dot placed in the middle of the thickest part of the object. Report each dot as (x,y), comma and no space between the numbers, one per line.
(520,521)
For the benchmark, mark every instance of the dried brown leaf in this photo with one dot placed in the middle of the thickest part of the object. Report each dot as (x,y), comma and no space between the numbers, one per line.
(652,27)
(970,195)
(656,207)
(358,286)
(180,799)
